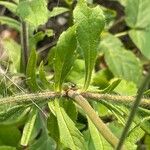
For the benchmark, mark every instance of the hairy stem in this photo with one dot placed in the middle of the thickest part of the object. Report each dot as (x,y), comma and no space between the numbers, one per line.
(25,46)
(21,98)
(127,100)
(25,98)
(102,128)
(133,111)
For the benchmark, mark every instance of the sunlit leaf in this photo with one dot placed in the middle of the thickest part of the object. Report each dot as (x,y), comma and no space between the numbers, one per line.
(69,134)
(64,56)
(137,17)
(124,64)
(90,23)
(34,12)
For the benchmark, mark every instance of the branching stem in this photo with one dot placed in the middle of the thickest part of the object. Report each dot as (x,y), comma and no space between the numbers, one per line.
(102,128)
(22,98)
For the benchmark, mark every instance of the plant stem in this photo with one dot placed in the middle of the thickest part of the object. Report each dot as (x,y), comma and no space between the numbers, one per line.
(121,34)
(25,46)
(22,98)
(102,128)
(127,100)
(133,111)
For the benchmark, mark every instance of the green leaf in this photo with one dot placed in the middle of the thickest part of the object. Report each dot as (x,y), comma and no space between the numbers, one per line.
(141,40)
(10,22)
(124,64)
(31,71)
(137,13)
(102,78)
(44,141)
(7,148)
(64,56)
(52,126)
(34,12)
(77,72)
(39,36)
(126,88)
(142,118)
(28,128)
(69,134)
(57,11)
(9,5)
(13,50)
(69,108)
(13,115)
(43,78)
(112,85)
(137,17)
(99,141)
(109,41)
(9,135)
(90,23)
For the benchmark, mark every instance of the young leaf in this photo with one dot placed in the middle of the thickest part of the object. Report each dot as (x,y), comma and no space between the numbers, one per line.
(64,56)
(42,76)
(10,22)
(124,64)
(31,71)
(27,131)
(9,5)
(90,23)
(69,134)
(57,11)
(34,12)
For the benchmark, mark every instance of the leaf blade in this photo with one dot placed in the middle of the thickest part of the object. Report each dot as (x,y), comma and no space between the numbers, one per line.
(90,23)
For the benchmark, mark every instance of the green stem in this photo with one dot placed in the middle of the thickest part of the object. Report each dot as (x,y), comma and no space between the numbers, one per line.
(102,128)
(133,111)
(25,46)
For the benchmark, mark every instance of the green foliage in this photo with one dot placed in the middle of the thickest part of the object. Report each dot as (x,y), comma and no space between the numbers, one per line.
(31,71)
(124,64)
(69,134)
(91,53)
(138,19)
(13,50)
(90,23)
(64,56)
(27,131)
(10,22)
(9,5)
(35,12)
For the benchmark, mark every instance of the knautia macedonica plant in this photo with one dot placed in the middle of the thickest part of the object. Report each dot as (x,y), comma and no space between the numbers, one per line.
(90,91)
